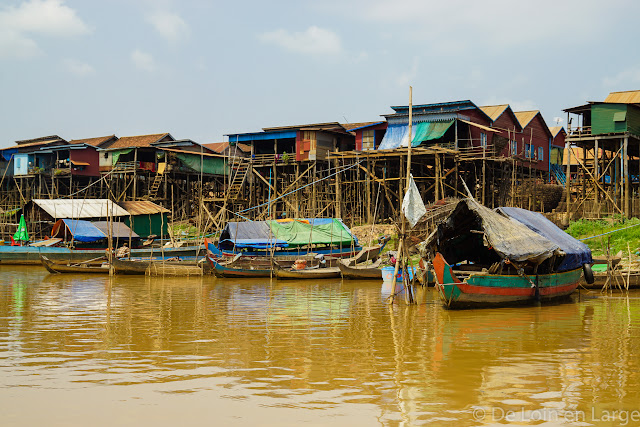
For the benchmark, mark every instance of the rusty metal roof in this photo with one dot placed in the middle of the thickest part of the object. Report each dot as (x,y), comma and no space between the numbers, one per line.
(139,141)
(79,209)
(96,142)
(142,207)
(494,111)
(626,97)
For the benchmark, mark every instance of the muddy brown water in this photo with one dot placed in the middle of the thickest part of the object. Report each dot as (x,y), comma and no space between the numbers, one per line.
(138,351)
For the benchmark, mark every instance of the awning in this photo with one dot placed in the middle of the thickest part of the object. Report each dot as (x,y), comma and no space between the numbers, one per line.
(397,135)
(77,163)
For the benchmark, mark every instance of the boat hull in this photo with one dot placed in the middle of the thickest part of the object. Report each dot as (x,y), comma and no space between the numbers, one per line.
(329,253)
(27,255)
(306,273)
(231,271)
(53,267)
(485,290)
(360,272)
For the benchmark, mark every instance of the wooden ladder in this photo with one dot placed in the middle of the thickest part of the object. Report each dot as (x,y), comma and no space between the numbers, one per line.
(239,170)
(155,186)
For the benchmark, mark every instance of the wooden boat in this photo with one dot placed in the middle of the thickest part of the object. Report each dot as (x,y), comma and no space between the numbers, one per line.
(152,267)
(27,255)
(77,268)
(505,256)
(315,272)
(243,266)
(361,271)
(484,289)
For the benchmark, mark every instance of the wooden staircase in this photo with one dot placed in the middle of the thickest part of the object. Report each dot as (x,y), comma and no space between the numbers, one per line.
(239,169)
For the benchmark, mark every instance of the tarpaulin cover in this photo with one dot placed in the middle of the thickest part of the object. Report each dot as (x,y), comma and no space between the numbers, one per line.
(119,229)
(429,131)
(577,253)
(412,205)
(509,239)
(82,231)
(264,234)
(397,135)
(115,155)
(298,233)
(204,164)
(250,234)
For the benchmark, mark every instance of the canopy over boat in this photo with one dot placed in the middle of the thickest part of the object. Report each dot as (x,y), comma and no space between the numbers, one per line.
(287,233)
(476,233)
(86,231)
(576,252)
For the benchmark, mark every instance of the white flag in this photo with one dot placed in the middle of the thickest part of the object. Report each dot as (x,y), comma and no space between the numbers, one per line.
(412,205)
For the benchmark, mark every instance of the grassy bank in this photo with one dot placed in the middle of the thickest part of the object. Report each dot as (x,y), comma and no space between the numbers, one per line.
(619,239)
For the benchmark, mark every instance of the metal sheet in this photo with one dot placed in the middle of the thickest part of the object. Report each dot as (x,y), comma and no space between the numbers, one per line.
(142,207)
(75,209)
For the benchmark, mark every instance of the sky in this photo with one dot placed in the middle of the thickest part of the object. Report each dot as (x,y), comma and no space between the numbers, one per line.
(203,69)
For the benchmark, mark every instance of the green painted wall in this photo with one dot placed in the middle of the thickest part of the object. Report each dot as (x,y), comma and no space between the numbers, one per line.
(633,120)
(602,118)
(144,225)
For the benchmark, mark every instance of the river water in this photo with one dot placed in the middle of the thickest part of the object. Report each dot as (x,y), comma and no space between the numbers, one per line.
(80,350)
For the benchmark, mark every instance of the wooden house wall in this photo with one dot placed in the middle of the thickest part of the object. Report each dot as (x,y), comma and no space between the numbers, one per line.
(537,133)
(88,155)
(602,118)
(508,122)
(479,117)
(378,133)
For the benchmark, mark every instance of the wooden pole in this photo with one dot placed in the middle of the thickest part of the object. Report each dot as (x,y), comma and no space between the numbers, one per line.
(626,177)
(568,181)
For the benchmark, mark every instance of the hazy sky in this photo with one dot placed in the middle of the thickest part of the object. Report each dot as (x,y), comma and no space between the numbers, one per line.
(201,69)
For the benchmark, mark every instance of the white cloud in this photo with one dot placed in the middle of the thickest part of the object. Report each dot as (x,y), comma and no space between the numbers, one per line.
(312,41)
(143,60)
(18,24)
(627,77)
(169,25)
(78,68)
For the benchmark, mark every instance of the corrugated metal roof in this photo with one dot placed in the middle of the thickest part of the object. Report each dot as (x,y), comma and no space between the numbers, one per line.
(219,147)
(494,111)
(78,209)
(96,142)
(524,117)
(142,207)
(119,230)
(626,97)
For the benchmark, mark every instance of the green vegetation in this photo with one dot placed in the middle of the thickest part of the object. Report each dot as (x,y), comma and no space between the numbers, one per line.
(587,228)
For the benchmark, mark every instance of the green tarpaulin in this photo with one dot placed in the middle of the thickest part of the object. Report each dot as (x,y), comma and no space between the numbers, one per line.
(115,155)
(211,165)
(21,234)
(428,131)
(298,233)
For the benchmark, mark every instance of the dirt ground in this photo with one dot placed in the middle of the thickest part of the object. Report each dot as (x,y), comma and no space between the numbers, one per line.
(366,233)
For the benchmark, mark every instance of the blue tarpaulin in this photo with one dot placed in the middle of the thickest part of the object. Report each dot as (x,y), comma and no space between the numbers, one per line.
(256,243)
(397,135)
(577,253)
(82,231)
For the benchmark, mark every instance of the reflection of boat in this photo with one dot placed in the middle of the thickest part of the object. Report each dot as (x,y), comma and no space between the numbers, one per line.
(158,267)
(315,272)
(506,256)
(361,271)
(79,268)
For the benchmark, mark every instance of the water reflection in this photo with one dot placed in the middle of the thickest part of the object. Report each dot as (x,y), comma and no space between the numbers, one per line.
(316,352)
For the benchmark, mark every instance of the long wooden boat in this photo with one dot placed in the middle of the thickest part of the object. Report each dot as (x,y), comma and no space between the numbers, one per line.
(484,289)
(305,273)
(361,271)
(157,267)
(336,252)
(26,255)
(233,269)
(77,268)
